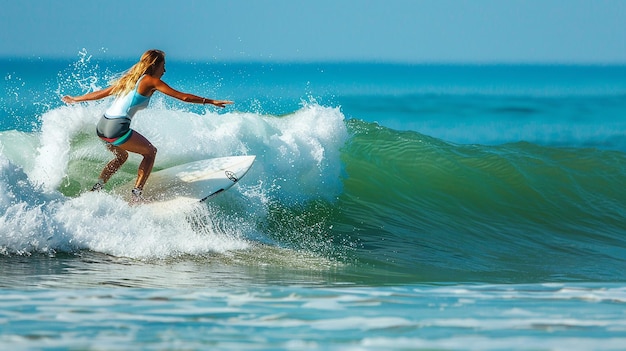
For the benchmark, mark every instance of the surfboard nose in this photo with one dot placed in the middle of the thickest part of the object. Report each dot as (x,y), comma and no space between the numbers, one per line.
(238,170)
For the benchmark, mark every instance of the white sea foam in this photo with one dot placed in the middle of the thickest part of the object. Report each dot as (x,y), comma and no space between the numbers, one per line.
(59,127)
(297,160)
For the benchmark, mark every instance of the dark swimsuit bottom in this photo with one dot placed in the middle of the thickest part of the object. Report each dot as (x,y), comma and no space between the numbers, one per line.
(115,131)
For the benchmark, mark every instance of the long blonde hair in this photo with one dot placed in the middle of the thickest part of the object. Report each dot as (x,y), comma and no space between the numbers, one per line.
(146,65)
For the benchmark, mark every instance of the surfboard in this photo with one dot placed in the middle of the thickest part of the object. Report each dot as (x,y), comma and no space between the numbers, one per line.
(191,182)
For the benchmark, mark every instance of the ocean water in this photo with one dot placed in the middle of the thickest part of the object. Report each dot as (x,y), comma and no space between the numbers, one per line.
(391,207)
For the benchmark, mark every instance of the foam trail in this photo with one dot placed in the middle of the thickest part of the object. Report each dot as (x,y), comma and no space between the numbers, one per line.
(105,223)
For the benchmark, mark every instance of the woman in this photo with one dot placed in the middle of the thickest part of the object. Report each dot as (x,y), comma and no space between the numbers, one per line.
(133,91)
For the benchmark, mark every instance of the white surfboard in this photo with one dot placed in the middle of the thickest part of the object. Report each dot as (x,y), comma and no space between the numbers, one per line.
(192,182)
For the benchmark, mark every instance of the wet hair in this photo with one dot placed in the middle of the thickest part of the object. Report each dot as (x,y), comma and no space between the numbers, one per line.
(149,61)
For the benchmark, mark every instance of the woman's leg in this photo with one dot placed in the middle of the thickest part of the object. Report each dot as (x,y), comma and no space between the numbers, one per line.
(137,143)
(120,157)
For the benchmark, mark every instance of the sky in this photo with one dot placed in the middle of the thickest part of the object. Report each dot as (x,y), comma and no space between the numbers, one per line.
(404,31)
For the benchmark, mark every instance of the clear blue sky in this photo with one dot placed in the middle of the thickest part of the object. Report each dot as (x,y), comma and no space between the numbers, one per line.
(450,31)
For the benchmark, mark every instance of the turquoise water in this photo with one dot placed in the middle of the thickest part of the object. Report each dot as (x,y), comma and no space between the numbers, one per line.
(390,207)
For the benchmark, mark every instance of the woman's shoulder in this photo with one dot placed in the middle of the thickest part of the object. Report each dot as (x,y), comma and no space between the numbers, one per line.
(148,78)
(147,84)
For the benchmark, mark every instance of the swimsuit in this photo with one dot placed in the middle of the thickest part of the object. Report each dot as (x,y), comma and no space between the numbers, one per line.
(114,126)
(114,131)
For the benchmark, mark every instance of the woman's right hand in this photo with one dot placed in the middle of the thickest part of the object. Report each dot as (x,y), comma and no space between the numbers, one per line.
(68,99)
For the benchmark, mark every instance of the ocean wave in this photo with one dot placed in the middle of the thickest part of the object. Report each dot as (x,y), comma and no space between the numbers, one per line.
(393,205)
(428,208)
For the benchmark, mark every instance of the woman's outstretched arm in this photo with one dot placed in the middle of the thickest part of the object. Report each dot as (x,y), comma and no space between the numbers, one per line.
(96,95)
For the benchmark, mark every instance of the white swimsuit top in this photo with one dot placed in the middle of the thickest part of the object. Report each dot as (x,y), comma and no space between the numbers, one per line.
(127,105)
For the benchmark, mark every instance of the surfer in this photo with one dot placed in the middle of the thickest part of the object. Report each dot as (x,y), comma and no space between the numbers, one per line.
(132,93)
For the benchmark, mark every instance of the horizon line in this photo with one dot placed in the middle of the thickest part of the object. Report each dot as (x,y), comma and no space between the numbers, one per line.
(329,61)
